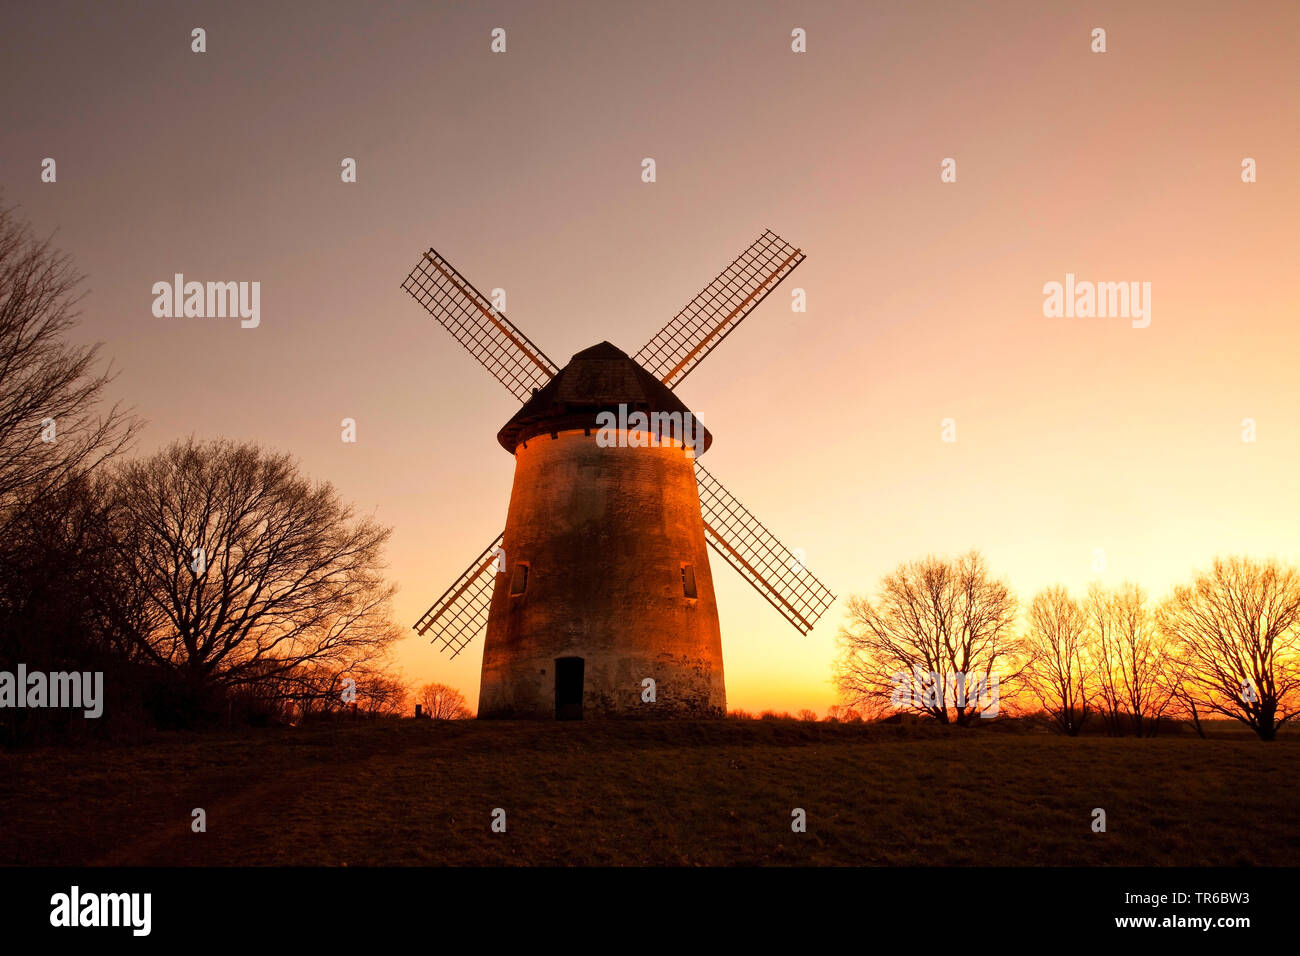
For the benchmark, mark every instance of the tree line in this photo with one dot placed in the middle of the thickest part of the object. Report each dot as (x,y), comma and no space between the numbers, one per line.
(208,581)
(1226,644)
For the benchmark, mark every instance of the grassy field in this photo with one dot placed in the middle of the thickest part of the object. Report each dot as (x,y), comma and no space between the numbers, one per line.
(709,793)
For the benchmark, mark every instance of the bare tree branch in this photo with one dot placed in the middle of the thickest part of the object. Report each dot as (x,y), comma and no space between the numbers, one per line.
(51,429)
(1236,632)
(943,627)
(1057,668)
(249,570)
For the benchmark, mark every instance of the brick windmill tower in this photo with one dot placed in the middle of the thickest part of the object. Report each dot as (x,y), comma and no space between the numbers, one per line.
(598,595)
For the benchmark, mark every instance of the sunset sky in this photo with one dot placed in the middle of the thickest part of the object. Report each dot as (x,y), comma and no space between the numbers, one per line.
(925,299)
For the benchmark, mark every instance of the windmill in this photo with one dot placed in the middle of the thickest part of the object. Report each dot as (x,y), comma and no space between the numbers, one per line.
(597,597)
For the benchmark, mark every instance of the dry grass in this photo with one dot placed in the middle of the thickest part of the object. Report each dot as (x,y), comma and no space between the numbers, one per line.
(711,793)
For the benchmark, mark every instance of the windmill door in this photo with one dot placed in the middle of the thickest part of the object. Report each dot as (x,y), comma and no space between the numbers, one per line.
(568,688)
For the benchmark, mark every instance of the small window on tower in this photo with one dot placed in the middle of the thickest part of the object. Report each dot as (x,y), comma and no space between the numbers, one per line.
(688,580)
(519,583)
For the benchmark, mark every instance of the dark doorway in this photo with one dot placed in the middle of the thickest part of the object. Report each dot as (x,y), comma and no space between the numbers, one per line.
(568,688)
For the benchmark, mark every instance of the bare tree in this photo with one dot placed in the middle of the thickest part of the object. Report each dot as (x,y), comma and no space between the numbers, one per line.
(939,639)
(60,580)
(51,430)
(1132,668)
(1057,666)
(1103,627)
(247,572)
(1182,691)
(1237,627)
(384,695)
(444,703)
(365,687)
(374,689)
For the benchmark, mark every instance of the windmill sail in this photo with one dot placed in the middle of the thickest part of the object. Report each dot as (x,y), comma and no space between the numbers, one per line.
(487,334)
(713,314)
(461,613)
(774,570)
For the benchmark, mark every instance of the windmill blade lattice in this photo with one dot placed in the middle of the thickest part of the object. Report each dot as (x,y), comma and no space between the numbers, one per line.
(713,314)
(772,568)
(461,614)
(487,334)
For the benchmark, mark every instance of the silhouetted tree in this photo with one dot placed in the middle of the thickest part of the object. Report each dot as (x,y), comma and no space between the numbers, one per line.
(1237,627)
(839,713)
(1182,691)
(63,594)
(248,572)
(383,695)
(1132,668)
(365,687)
(54,573)
(1057,665)
(938,630)
(443,703)
(51,428)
